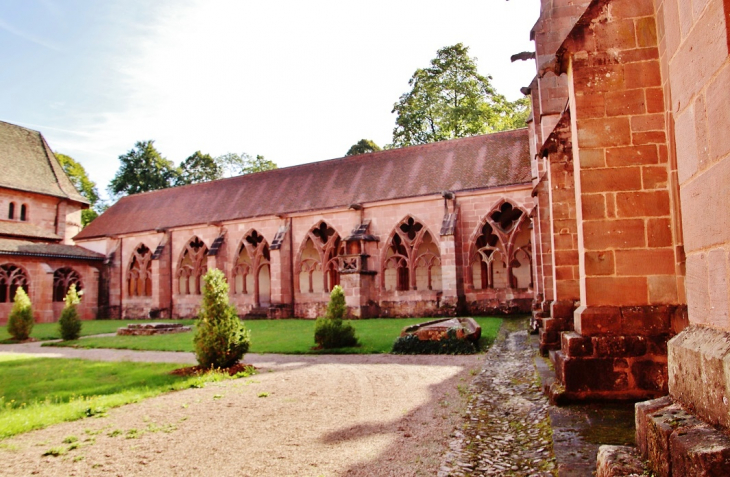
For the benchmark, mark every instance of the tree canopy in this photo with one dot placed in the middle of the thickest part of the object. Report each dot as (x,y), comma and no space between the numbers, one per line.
(363,146)
(450,99)
(199,168)
(238,164)
(143,169)
(85,186)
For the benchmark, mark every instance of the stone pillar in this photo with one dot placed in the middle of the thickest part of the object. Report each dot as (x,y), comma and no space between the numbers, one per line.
(162,277)
(282,272)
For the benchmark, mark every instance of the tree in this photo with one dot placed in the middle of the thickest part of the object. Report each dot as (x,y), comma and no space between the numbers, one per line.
(330,331)
(199,168)
(20,320)
(143,169)
(87,187)
(235,165)
(69,324)
(221,339)
(363,146)
(450,99)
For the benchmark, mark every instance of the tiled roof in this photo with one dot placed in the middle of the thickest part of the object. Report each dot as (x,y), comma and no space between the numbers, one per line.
(27,163)
(50,250)
(478,162)
(25,230)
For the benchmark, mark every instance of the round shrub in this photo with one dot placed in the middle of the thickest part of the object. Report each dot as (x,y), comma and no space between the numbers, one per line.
(221,339)
(20,320)
(331,331)
(69,324)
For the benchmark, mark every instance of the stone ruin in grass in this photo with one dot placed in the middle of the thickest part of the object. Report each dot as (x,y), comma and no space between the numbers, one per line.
(145,329)
(466,328)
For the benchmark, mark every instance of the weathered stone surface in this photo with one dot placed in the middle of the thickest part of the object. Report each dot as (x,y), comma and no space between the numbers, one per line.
(618,461)
(146,329)
(700,452)
(466,328)
(643,410)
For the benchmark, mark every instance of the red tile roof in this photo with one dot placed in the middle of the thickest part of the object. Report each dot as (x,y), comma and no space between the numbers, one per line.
(50,250)
(28,164)
(477,162)
(14,228)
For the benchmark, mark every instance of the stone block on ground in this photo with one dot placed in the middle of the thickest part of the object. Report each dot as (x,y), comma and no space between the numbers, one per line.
(619,461)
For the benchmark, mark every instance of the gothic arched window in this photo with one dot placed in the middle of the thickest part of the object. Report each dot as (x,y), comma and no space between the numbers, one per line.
(139,277)
(251,271)
(412,259)
(63,278)
(501,252)
(192,267)
(12,277)
(318,265)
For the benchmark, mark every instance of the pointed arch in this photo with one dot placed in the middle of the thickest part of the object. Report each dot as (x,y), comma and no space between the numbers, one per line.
(251,268)
(139,272)
(317,263)
(12,277)
(192,265)
(411,260)
(499,246)
(63,278)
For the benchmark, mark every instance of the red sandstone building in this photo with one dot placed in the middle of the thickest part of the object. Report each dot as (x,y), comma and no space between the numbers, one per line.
(422,231)
(40,211)
(631,174)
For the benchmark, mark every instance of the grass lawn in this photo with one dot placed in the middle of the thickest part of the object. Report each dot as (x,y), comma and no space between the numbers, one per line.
(38,392)
(286,337)
(49,331)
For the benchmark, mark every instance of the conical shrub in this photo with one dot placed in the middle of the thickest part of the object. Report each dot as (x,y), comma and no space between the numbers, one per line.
(20,320)
(69,325)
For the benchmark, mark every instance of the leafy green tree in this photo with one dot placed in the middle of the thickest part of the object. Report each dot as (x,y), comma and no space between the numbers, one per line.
(220,339)
(238,164)
(199,168)
(450,99)
(20,320)
(331,331)
(143,169)
(69,325)
(87,187)
(363,146)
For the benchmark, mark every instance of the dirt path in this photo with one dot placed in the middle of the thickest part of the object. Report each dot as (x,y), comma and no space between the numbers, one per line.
(372,415)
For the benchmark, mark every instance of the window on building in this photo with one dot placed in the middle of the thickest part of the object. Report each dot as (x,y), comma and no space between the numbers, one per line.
(192,267)
(139,276)
(11,211)
(63,278)
(318,265)
(501,252)
(251,273)
(23,212)
(412,260)
(12,277)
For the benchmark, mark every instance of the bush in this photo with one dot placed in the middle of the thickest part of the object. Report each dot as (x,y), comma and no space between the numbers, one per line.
(20,320)
(221,339)
(448,344)
(69,324)
(330,331)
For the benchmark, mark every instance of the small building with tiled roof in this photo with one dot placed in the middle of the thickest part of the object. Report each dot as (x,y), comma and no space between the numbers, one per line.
(40,212)
(418,231)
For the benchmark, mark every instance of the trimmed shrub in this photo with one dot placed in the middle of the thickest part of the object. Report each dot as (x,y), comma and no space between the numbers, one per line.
(221,340)
(448,344)
(331,331)
(69,324)
(20,320)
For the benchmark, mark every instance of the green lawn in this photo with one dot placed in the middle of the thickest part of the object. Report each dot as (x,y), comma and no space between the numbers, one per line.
(49,331)
(285,336)
(38,392)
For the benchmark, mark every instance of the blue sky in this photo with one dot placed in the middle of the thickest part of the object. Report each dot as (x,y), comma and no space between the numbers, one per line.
(294,81)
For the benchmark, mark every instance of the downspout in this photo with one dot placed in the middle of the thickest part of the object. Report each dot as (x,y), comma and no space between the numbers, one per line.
(171,294)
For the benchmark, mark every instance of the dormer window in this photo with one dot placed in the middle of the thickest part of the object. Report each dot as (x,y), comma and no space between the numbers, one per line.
(23,212)
(11,211)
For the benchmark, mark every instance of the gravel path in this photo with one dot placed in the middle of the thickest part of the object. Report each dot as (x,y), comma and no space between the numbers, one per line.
(359,415)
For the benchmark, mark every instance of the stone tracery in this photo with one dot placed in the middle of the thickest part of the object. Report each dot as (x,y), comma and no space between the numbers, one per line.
(139,278)
(318,266)
(501,255)
(12,277)
(192,267)
(412,260)
(63,278)
(251,270)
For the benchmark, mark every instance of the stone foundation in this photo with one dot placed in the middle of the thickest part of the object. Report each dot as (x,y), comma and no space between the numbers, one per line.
(552,323)
(147,329)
